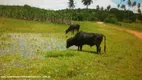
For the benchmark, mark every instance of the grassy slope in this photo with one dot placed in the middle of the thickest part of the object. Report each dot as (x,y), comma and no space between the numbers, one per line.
(122,60)
(132,26)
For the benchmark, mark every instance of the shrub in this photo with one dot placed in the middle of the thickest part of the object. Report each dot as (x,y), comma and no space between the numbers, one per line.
(110,19)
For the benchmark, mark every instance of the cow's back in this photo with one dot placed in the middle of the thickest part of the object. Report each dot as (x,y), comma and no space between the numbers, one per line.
(88,38)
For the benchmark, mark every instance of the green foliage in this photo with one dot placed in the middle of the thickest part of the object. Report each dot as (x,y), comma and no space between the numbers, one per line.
(65,16)
(103,15)
(71,4)
(31,13)
(87,2)
(111,19)
(126,16)
(132,26)
(140,17)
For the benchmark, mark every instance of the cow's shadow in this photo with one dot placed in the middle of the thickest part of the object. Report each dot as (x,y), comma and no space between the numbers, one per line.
(92,52)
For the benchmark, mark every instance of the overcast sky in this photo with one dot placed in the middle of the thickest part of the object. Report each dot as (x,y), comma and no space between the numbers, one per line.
(60,4)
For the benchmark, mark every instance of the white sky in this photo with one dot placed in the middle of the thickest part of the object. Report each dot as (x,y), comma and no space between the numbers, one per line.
(57,4)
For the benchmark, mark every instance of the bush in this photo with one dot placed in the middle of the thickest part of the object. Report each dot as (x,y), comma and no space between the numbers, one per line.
(140,17)
(111,19)
(102,15)
(107,20)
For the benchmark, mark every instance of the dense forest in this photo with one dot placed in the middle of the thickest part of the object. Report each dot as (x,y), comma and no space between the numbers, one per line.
(65,16)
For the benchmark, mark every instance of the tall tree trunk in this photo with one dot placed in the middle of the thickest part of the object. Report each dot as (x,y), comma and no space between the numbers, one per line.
(87,6)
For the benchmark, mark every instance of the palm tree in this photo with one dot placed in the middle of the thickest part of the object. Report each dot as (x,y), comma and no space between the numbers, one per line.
(71,4)
(129,3)
(134,4)
(139,11)
(139,5)
(102,8)
(123,7)
(97,7)
(87,2)
(118,6)
(108,7)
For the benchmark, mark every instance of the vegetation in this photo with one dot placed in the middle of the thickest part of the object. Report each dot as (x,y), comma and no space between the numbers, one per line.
(122,60)
(87,2)
(71,4)
(65,16)
(131,4)
(27,12)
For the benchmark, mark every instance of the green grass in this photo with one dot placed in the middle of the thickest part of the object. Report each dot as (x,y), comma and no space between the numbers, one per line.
(121,62)
(132,26)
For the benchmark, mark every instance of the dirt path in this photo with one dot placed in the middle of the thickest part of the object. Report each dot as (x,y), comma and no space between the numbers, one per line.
(137,34)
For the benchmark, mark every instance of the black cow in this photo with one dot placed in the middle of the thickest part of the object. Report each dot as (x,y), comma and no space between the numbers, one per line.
(82,38)
(72,28)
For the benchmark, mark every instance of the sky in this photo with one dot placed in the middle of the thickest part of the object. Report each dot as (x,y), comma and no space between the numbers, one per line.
(61,4)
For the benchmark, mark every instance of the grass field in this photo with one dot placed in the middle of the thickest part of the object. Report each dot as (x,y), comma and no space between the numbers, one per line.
(30,48)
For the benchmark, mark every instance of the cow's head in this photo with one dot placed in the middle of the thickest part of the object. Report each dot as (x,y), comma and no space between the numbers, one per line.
(69,42)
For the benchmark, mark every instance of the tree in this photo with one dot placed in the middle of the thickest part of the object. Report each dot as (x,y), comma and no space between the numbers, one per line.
(71,4)
(123,7)
(108,7)
(102,8)
(87,2)
(118,6)
(139,5)
(134,4)
(97,7)
(129,3)
(139,11)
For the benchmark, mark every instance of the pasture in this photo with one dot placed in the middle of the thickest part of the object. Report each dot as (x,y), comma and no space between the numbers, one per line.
(31,48)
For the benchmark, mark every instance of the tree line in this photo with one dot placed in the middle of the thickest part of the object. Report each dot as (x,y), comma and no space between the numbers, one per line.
(114,15)
(27,12)
(65,16)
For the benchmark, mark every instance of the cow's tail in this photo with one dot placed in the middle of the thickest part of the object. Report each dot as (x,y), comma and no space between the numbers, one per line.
(104,44)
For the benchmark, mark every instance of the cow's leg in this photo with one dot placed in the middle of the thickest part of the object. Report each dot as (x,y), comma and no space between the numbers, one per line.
(81,48)
(78,48)
(73,32)
(98,49)
(78,30)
